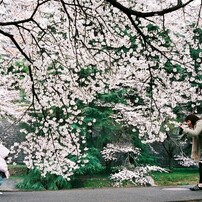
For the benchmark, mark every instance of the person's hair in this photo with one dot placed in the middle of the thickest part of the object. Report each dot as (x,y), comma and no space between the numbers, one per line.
(193,118)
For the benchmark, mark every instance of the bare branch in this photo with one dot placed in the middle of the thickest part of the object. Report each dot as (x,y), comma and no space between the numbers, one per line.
(16,44)
(199,13)
(17,22)
(34,94)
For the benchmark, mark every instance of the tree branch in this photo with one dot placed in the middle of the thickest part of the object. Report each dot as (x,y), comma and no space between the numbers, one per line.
(16,44)
(17,22)
(129,11)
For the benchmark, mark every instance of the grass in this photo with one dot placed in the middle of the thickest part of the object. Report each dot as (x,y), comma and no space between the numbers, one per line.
(98,183)
(91,181)
(183,176)
(17,170)
(179,176)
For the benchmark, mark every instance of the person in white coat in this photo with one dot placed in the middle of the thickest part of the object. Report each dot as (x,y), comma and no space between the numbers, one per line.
(3,169)
(4,172)
(192,127)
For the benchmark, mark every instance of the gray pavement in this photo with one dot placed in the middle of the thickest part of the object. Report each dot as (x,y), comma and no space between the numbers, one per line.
(138,194)
(9,184)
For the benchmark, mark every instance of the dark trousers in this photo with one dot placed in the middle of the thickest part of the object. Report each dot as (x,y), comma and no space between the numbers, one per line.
(200,172)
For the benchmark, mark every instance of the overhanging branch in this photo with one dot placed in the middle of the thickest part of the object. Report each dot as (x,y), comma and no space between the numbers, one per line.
(129,11)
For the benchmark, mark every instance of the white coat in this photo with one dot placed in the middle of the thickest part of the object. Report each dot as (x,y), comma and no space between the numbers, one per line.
(3,165)
(196,134)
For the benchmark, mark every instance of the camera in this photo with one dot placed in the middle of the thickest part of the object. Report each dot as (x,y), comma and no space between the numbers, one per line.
(180,131)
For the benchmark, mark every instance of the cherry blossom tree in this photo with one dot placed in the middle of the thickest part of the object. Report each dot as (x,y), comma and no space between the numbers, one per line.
(152,49)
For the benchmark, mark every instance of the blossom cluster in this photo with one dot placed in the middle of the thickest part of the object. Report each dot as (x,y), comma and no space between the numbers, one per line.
(111,151)
(185,161)
(137,176)
(10,104)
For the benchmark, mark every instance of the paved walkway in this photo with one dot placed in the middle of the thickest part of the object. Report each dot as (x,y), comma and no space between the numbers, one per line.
(9,184)
(139,194)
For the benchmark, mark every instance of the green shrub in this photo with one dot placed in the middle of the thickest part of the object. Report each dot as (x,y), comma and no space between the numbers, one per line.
(34,181)
(93,166)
